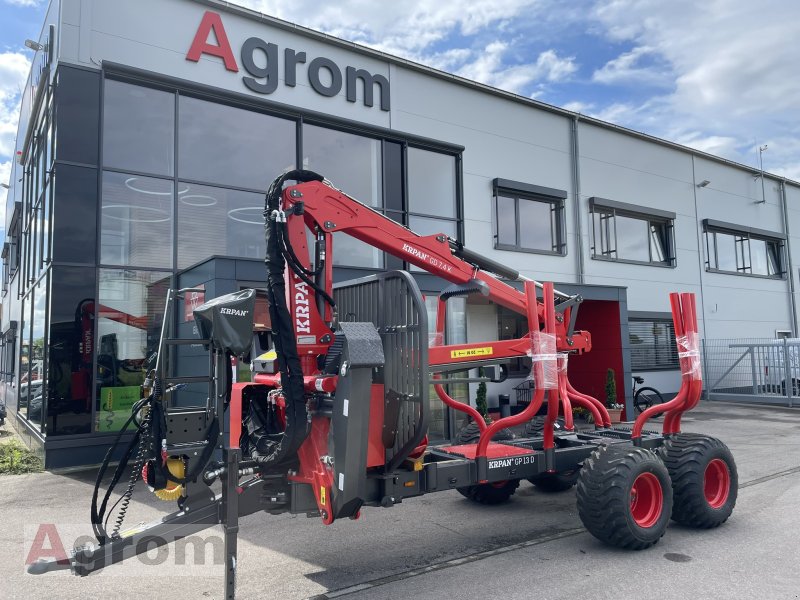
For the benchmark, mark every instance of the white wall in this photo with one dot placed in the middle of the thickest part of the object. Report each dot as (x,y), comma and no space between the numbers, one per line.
(502,138)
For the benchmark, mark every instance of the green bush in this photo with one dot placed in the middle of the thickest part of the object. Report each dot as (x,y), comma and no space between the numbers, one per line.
(15,459)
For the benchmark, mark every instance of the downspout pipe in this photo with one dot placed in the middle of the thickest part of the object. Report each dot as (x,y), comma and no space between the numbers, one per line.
(576,194)
(792,299)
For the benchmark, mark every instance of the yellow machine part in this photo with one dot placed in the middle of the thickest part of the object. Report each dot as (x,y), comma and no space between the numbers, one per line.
(173,490)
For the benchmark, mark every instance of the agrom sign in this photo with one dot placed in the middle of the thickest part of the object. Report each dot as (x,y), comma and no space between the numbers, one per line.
(261,62)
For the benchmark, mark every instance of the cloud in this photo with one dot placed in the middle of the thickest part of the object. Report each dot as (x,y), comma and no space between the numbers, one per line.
(627,68)
(23,2)
(731,63)
(460,36)
(14,69)
(491,67)
(5,173)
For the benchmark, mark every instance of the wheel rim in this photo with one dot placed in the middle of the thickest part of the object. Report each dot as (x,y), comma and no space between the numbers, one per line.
(717,483)
(647,500)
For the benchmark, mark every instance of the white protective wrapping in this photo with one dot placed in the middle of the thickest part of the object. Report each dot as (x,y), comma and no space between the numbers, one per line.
(689,352)
(435,339)
(545,361)
(563,357)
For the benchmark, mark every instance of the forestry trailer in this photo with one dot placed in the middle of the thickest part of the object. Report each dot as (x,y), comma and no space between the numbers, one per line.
(337,413)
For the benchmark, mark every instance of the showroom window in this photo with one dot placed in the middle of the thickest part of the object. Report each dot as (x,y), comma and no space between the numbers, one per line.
(71,345)
(138,129)
(129,315)
(743,250)
(512,326)
(232,147)
(528,218)
(630,233)
(432,194)
(652,344)
(353,163)
(136,220)
(445,422)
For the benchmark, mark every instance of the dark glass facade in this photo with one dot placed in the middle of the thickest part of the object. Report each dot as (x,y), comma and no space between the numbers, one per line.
(128,183)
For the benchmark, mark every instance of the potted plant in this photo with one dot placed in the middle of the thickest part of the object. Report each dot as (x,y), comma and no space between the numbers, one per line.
(613,407)
(470,433)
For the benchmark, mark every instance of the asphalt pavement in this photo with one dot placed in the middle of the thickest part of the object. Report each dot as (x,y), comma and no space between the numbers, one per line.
(442,545)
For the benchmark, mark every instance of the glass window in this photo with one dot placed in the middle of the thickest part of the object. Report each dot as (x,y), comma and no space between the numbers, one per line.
(75,202)
(217,221)
(351,162)
(632,237)
(129,318)
(455,333)
(744,254)
(71,343)
(78,115)
(232,146)
(426,226)
(350,252)
(24,355)
(525,223)
(36,400)
(431,183)
(652,344)
(136,221)
(138,128)
(512,326)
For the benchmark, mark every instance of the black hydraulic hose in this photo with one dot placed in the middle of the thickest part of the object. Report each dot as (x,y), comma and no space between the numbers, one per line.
(283,329)
(97,515)
(292,257)
(298,269)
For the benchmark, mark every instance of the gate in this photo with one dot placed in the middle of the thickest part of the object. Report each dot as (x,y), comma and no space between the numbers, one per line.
(752,370)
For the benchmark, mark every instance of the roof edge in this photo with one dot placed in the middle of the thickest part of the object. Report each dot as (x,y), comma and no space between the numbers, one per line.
(236,9)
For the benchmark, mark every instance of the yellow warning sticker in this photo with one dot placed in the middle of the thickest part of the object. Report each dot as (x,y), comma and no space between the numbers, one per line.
(270,355)
(468,352)
(322,495)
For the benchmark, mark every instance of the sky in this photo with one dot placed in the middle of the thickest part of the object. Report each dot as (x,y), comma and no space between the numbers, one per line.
(719,76)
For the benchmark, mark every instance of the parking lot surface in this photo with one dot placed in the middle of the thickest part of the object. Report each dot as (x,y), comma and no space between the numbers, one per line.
(443,546)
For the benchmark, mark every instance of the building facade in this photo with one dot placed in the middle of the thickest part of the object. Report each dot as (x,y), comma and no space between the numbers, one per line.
(150,130)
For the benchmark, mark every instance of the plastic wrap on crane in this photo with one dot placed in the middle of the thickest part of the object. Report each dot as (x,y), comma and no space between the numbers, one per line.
(689,354)
(228,321)
(545,360)
(563,358)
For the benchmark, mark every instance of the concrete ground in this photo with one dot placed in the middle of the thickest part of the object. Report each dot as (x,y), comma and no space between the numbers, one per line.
(441,545)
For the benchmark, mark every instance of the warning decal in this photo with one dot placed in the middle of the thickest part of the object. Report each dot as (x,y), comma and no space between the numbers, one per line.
(468,352)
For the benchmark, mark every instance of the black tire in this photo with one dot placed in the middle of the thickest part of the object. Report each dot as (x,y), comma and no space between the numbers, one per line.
(490,493)
(705,482)
(608,505)
(556,482)
(471,433)
(645,398)
(535,427)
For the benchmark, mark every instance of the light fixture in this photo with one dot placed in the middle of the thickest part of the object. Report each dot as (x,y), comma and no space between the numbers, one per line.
(704,183)
(240,215)
(35,46)
(147,214)
(129,184)
(198,200)
(761,150)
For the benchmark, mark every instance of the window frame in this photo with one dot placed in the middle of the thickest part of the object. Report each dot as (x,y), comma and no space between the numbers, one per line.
(653,318)
(651,216)
(712,227)
(519,191)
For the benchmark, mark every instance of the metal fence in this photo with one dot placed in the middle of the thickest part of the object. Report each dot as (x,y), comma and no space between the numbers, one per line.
(752,370)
